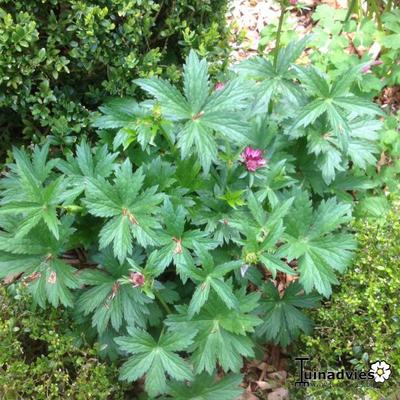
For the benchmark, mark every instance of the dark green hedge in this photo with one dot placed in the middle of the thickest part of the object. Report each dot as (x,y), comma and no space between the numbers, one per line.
(60,58)
(361,323)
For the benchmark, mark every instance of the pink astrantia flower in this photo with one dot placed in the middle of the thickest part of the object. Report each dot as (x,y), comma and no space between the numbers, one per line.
(219,86)
(253,158)
(293,2)
(137,279)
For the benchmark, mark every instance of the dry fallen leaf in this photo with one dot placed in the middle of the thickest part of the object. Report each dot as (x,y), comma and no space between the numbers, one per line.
(264,385)
(278,375)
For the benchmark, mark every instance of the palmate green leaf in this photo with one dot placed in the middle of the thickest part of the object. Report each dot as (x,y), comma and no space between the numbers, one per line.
(211,277)
(309,113)
(310,239)
(86,163)
(271,181)
(222,332)
(130,209)
(203,116)
(28,192)
(314,80)
(288,55)
(196,82)
(37,258)
(362,152)
(118,113)
(256,68)
(262,232)
(283,320)
(230,98)
(274,81)
(196,134)
(206,387)
(156,359)
(215,216)
(332,101)
(108,300)
(357,105)
(133,121)
(330,157)
(177,242)
(173,105)
(159,173)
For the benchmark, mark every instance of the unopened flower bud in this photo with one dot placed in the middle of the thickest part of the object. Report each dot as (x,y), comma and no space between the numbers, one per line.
(137,279)
(250,258)
(219,86)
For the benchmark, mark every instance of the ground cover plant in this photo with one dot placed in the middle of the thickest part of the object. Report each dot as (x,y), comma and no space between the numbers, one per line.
(205,221)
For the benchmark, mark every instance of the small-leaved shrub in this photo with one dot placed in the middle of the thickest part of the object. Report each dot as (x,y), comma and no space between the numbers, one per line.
(217,219)
(60,59)
(38,358)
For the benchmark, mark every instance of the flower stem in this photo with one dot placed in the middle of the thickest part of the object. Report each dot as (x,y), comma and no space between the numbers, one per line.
(278,34)
(163,303)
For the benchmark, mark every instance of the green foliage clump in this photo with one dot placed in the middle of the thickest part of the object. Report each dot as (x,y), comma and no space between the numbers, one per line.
(174,237)
(59,59)
(360,324)
(338,43)
(38,358)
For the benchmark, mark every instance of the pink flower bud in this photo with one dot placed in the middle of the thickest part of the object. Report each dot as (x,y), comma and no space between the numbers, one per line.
(366,69)
(219,86)
(253,158)
(293,2)
(137,279)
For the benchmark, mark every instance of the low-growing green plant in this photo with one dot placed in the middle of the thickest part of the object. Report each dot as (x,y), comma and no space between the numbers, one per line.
(367,301)
(220,215)
(38,357)
(336,44)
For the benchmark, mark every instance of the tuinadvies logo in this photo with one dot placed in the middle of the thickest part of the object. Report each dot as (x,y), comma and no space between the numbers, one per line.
(379,372)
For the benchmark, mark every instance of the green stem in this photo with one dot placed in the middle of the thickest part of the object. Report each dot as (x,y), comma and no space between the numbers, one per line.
(348,15)
(375,8)
(170,142)
(278,34)
(163,303)
(162,332)
(388,6)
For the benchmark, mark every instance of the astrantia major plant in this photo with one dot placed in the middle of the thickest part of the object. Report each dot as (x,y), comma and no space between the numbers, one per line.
(219,215)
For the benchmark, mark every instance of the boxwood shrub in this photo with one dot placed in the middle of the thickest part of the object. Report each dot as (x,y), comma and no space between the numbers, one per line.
(59,57)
